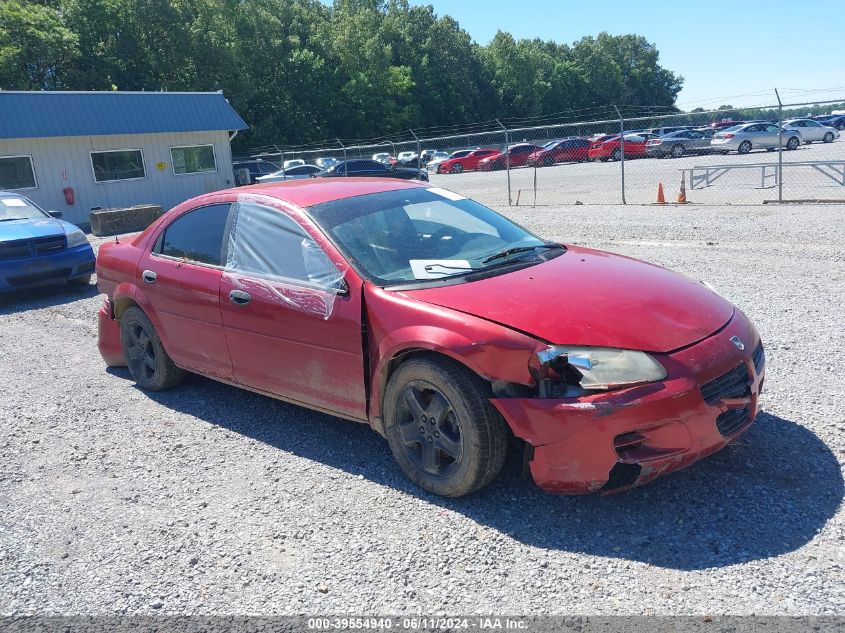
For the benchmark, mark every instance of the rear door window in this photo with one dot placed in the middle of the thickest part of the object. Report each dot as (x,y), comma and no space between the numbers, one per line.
(196,236)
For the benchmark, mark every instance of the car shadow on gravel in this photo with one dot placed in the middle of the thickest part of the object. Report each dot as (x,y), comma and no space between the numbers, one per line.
(767,494)
(44,297)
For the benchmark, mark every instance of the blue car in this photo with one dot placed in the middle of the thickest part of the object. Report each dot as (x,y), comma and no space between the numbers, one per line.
(38,249)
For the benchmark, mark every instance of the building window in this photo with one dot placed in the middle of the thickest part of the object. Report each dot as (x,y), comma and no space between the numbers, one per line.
(193,159)
(17,172)
(118,164)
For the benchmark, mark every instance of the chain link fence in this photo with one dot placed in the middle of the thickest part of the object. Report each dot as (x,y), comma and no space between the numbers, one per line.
(782,153)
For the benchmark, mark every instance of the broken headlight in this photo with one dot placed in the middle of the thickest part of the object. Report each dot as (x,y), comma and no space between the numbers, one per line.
(563,371)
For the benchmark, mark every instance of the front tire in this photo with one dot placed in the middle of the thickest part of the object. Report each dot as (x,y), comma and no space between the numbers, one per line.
(828,138)
(616,155)
(744,147)
(793,143)
(442,430)
(548,161)
(457,168)
(148,362)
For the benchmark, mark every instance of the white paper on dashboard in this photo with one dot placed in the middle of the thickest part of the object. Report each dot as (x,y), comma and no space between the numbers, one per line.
(437,268)
(13,202)
(451,195)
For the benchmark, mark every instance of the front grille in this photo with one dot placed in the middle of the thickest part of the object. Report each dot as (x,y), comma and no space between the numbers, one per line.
(19,249)
(759,358)
(731,421)
(47,245)
(25,280)
(14,250)
(732,384)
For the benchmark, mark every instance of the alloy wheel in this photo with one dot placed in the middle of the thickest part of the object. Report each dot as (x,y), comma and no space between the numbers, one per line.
(429,429)
(140,352)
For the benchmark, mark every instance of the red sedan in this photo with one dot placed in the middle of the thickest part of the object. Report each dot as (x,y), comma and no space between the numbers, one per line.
(517,156)
(610,148)
(441,324)
(565,150)
(468,162)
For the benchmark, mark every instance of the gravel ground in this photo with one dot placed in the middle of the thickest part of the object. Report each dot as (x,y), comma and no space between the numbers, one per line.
(212,500)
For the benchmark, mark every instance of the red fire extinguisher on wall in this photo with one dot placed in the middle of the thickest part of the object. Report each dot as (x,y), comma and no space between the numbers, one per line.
(69,199)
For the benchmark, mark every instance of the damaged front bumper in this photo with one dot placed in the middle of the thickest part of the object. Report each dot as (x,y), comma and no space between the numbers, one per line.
(616,440)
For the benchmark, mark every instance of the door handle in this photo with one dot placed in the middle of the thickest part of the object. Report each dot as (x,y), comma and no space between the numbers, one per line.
(149,276)
(239,297)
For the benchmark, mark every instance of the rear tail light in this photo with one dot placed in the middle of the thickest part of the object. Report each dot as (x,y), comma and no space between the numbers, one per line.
(729,135)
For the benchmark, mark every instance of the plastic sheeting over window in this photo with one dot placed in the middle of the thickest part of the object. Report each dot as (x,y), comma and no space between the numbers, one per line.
(272,257)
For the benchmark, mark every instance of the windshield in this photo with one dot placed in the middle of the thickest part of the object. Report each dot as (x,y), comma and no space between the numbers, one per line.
(19,208)
(419,235)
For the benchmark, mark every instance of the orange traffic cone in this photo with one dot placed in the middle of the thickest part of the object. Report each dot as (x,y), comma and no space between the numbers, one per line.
(661,199)
(682,194)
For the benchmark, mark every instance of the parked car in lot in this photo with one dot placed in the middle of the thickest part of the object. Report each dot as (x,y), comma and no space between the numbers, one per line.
(364,167)
(436,158)
(405,156)
(437,322)
(563,150)
(662,131)
(516,156)
(293,162)
(385,157)
(326,162)
(719,125)
(611,148)
(256,167)
(455,164)
(37,248)
(812,131)
(744,138)
(291,173)
(833,120)
(676,144)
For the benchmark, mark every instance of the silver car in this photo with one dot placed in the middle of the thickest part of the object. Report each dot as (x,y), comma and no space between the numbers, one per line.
(676,144)
(743,138)
(812,131)
(296,172)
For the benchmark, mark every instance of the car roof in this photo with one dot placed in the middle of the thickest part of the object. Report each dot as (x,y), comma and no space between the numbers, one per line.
(311,191)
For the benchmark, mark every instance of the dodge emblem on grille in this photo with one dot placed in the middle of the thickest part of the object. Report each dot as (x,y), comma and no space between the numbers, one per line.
(739,344)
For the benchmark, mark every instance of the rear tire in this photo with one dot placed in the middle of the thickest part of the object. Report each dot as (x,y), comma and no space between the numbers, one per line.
(442,430)
(744,147)
(677,151)
(150,366)
(548,161)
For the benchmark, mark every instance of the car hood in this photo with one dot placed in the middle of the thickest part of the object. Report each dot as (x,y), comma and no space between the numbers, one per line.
(11,230)
(588,297)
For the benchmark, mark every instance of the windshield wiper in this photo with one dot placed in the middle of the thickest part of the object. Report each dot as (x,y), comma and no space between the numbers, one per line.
(11,219)
(517,249)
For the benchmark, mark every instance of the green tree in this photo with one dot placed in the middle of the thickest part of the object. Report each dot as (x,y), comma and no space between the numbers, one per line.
(36,47)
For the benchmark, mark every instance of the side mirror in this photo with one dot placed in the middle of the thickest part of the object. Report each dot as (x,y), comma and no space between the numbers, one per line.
(55,214)
(342,288)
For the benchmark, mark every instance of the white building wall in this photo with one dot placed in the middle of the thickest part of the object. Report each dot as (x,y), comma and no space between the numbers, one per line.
(61,162)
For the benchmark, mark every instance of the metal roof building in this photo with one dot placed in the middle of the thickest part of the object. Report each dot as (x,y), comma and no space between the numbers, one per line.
(77,151)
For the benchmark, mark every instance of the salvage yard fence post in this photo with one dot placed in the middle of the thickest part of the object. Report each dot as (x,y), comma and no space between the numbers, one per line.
(419,152)
(507,159)
(621,150)
(780,147)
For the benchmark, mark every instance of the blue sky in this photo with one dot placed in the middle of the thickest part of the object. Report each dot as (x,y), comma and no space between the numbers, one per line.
(722,49)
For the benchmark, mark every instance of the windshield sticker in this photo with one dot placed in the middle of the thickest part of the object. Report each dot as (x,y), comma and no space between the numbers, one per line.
(438,268)
(13,202)
(450,195)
